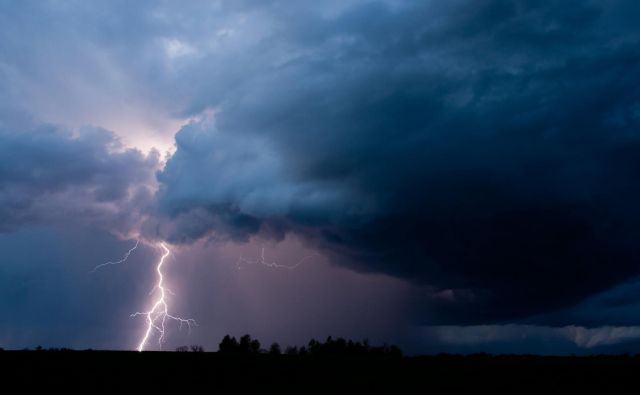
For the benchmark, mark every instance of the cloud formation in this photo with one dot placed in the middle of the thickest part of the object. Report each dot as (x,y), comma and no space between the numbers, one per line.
(49,174)
(486,148)
(529,339)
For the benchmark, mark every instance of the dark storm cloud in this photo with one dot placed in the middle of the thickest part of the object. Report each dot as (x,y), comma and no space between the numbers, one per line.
(486,149)
(48,174)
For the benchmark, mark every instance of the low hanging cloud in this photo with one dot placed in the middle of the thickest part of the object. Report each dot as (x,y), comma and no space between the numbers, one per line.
(489,148)
(50,175)
(536,339)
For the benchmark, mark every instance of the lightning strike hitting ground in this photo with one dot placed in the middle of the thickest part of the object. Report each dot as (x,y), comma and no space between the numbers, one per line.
(274,265)
(124,259)
(159,313)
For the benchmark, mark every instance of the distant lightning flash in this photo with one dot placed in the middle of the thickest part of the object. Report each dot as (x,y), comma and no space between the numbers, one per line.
(159,313)
(274,265)
(124,259)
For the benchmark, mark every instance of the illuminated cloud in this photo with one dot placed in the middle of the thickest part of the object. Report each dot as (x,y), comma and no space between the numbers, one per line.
(50,175)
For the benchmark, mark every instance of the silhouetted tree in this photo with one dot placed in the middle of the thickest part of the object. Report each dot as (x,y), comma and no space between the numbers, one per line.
(254,346)
(182,349)
(313,347)
(291,350)
(331,347)
(365,345)
(228,345)
(196,348)
(245,344)
(275,349)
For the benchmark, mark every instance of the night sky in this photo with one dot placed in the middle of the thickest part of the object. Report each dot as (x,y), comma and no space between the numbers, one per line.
(455,175)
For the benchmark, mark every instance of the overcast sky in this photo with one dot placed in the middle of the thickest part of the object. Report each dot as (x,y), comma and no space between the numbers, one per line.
(445,175)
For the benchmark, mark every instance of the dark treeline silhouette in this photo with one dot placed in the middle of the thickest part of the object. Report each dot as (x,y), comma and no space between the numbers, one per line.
(192,348)
(246,345)
(331,347)
(332,366)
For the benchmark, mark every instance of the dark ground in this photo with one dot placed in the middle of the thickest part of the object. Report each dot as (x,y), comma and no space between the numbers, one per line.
(102,371)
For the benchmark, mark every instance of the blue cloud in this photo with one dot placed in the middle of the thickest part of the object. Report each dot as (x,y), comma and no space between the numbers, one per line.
(487,147)
(48,174)
(481,149)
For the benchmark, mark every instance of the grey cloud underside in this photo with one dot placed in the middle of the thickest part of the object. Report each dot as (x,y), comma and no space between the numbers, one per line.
(48,174)
(488,148)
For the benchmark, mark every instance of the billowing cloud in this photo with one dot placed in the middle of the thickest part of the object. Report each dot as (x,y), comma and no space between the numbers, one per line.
(51,175)
(486,148)
(485,151)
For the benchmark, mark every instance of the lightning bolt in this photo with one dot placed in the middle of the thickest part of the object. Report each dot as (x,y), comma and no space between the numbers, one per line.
(274,265)
(124,259)
(158,315)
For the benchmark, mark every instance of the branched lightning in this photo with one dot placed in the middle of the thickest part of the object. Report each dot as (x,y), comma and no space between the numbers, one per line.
(274,265)
(124,259)
(159,313)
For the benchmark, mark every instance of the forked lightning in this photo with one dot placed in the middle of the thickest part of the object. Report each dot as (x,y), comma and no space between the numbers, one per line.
(158,315)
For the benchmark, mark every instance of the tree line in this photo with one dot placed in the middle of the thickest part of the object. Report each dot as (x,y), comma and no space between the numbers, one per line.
(246,345)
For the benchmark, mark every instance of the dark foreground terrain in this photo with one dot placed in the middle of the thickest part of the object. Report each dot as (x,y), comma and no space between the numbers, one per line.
(200,372)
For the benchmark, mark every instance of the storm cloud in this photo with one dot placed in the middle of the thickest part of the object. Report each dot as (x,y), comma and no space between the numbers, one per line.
(51,175)
(486,149)
(471,163)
